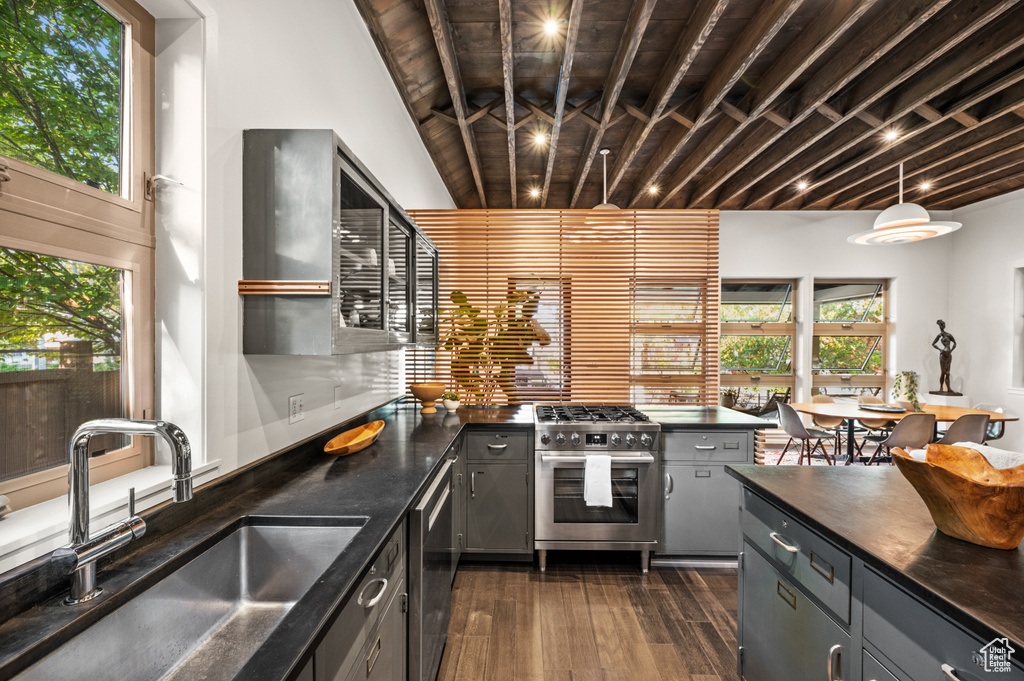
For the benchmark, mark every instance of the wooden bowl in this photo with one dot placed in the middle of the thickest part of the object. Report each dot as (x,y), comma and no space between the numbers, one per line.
(967,497)
(428,394)
(357,439)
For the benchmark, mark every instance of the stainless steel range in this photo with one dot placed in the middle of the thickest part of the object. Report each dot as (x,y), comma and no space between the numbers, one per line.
(565,436)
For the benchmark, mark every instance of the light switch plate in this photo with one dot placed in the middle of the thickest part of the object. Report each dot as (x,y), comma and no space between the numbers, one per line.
(338,398)
(296,410)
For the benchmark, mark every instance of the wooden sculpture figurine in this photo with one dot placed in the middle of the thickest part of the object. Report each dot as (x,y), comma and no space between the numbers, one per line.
(945,359)
(967,497)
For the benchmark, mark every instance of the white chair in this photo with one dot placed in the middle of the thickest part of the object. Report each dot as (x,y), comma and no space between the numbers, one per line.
(794,427)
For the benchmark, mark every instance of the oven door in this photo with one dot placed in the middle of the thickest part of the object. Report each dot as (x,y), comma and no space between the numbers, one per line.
(563,515)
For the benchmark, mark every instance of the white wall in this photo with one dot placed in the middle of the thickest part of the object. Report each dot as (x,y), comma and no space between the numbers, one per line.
(984,316)
(808,245)
(262,65)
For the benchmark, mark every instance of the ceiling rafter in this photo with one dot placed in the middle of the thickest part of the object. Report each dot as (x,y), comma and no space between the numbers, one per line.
(762,29)
(629,43)
(507,64)
(835,19)
(1014,173)
(883,34)
(698,29)
(936,71)
(449,61)
(561,92)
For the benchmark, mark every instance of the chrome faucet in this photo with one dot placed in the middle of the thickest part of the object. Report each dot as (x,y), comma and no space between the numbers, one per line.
(87,550)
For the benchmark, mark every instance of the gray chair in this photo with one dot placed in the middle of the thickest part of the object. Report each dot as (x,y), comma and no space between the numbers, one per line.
(967,428)
(797,431)
(831,423)
(914,431)
(996,429)
(879,429)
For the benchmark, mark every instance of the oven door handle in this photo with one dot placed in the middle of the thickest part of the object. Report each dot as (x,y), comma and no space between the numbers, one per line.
(557,458)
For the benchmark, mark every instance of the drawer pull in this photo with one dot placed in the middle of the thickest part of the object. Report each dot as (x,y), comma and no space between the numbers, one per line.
(778,540)
(704,448)
(376,599)
(789,596)
(833,661)
(950,673)
(371,659)
(830,575)
(669,486)
(497,448)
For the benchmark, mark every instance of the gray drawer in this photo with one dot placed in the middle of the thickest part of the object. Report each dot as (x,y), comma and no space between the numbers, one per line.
(817,565)
(724,447)
(872,670)
(341,648)
(918,639)
(497,446)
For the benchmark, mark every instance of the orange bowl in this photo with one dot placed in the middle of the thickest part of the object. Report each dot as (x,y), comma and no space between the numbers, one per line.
(428,394)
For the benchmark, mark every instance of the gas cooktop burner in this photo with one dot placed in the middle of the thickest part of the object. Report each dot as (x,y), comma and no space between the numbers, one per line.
(578,413)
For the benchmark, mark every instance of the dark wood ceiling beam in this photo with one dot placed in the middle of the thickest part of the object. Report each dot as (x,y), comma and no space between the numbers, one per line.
(483,111)
(1013,173)
(442,31)
(1010,89)
(629,43)
(540,111)
(929,113)
(562,92)
(884,33)
(698,29)
(755,38)
(835,19)
(870,118)
(507,64)
(940,75)
(965,119)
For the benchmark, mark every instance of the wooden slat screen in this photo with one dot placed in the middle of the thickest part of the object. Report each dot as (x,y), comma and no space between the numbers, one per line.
(575,305)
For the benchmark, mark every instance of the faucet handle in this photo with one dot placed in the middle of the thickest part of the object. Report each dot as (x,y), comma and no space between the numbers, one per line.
(131,501)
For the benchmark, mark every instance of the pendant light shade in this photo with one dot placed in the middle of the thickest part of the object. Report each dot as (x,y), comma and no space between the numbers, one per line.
(902,223)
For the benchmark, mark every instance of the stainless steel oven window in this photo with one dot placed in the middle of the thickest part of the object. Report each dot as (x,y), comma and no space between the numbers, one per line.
(570,507)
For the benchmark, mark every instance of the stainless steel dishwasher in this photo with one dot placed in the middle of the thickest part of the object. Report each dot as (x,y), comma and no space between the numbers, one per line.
(431,538)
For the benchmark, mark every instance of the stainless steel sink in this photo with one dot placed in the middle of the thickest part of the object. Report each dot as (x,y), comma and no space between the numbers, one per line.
(206,619)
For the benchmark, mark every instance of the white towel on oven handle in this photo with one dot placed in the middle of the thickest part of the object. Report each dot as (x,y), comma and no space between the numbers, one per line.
(597,480)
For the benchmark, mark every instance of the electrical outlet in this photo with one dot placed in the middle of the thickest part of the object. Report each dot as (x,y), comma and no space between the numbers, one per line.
(296,411)
(338,399)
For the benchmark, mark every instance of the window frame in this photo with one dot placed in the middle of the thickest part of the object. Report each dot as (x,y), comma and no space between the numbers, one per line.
(755,380)
(47,213)
(852,329)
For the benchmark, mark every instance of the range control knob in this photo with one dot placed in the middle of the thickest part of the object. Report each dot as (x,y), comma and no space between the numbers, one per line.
(616,439)
(630,440)
(560,439)
(575,439)
(545,438)
(646,440)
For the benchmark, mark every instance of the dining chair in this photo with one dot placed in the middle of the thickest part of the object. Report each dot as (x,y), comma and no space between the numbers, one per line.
(832,423)
(996,429)
(797,431)
(879,428)
(967,428)
(914,431)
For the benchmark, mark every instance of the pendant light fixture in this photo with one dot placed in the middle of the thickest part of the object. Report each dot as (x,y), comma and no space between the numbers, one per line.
(901,224)
(604,205)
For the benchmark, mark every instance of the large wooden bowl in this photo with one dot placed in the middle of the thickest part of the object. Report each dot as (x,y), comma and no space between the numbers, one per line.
(967,497)
(355,440)
(428,394)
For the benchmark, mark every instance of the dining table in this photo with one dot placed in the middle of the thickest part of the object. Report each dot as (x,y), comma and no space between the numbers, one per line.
(852,412)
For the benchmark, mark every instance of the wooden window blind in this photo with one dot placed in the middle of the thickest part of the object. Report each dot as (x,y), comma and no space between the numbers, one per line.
(576,305)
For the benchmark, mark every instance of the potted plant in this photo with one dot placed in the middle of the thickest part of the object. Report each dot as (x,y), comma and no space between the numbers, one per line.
(727,398)
(904,390)
(450,400)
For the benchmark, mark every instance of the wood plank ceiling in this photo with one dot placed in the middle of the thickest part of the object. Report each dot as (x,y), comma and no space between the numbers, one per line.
(732,104)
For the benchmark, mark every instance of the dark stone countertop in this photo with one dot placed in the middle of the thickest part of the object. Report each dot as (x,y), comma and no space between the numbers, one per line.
(876,515)
(381,483)
(672,417)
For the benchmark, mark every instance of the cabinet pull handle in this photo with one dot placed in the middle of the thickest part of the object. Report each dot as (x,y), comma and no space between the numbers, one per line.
(371,659)
(472,485)
(704,448)
(669,486)
(376,599)
(950,673)
(497,448)
(778,540)
(833,661)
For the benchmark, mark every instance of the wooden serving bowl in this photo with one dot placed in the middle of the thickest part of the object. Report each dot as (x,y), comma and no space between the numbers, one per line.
(355,440)
(967,497)
(428,394)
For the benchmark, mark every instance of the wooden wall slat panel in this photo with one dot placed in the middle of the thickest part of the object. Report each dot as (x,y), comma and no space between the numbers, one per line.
(573,305)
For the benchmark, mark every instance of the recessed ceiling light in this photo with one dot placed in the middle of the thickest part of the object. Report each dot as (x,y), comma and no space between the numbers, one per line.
(534,192)
(540,139)
(802,185)
(551,26)
(925,186)
(653,189)
(891,135)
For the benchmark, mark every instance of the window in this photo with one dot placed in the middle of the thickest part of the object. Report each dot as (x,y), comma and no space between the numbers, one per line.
(848,345)
(758,336)
(76,233)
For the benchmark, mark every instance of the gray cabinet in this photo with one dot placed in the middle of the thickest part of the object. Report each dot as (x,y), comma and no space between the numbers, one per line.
(331,264)
(498,510)
(384,660)
(701,501)
(459,492)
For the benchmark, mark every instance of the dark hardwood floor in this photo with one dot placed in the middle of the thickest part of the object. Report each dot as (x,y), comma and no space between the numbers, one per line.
(591,619)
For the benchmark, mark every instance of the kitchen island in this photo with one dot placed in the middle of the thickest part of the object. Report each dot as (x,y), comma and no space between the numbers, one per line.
(851,560)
